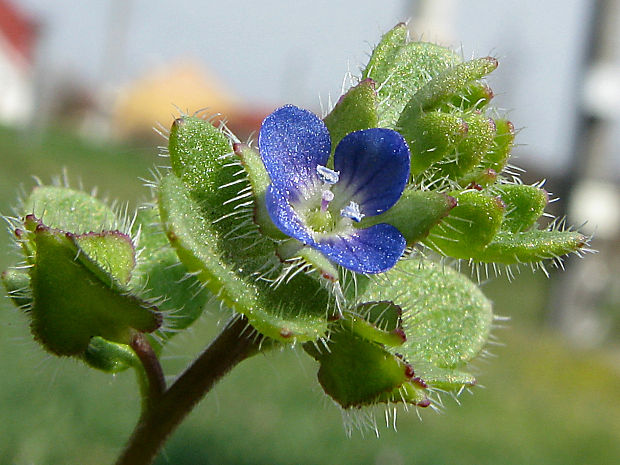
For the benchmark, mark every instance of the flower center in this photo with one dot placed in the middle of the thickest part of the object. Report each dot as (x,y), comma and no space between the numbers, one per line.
(321,215)
(320,221)
(329,178)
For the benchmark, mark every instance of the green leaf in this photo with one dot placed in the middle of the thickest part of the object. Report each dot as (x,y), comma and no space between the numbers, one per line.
(71,304)
(356,110)
(70,210)
(229,270)
(160,276)
(383,56)
(190,140)
(446,318)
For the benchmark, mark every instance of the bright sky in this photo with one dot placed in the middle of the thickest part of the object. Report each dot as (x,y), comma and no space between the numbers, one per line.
(267,50)
(297,50)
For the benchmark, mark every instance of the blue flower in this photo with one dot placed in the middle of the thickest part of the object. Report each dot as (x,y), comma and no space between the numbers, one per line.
(321,207)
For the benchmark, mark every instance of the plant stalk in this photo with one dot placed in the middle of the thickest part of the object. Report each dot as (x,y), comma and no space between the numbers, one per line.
(165,413)
(155,383)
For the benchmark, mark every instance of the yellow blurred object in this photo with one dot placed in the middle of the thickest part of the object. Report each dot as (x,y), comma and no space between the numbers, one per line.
(182,87)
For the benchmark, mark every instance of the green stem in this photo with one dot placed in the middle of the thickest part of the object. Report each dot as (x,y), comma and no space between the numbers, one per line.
(165,413)
(151,375)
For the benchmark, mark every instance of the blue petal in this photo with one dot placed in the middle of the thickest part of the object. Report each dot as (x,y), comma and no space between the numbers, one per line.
(370,250)
(374,169)
(284,217)
(292,143)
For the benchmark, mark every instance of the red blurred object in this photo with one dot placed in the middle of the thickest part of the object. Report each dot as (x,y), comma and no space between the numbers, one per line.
(18,30)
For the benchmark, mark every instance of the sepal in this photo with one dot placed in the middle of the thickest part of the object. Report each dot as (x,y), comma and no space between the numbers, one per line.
(415,332)
(356,110)
(531,246)
(71,303)
(497,156)
(356,372)
(415,214)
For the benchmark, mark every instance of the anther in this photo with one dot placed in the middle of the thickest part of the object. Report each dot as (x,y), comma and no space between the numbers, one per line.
(326,175)
(352,211)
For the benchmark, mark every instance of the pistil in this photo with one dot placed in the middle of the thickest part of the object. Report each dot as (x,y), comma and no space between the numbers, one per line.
(326,197)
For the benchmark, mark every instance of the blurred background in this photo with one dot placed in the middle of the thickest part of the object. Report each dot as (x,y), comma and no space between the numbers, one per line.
(82,84)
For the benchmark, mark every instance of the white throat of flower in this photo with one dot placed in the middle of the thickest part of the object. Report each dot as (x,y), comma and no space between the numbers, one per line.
(329,178)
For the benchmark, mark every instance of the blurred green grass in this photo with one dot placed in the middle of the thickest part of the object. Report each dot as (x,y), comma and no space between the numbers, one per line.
(543,402)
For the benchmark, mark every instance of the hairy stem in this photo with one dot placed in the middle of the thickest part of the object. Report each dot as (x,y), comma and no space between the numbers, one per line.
(155,381)
(165,413)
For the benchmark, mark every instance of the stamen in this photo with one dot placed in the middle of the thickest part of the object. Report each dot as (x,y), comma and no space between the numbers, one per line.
(327,197)
(326,175)
(352,211)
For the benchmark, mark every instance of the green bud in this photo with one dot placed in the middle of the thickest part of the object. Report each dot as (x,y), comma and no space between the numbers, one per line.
(524,205)
(444,87)
(355,372)
(432,137)
(472,224)
(471,148)
(497,156)
(475,96)
(400,68)
(478,179)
